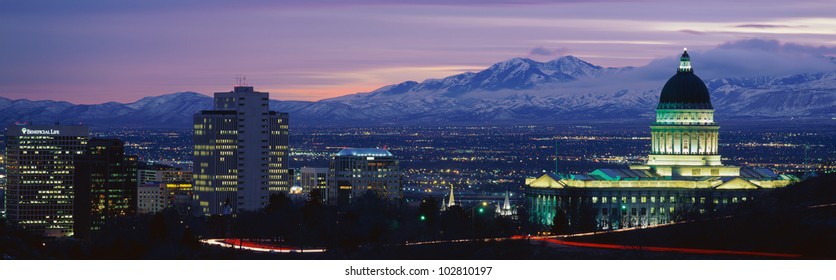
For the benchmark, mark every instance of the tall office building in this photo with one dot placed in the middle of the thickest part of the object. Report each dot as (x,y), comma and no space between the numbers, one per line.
(355,171)
(40,161)
(105,185)
(240,153)
(3,186)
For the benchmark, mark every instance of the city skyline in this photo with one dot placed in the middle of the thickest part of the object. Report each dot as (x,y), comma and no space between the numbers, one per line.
(95,52)
(460,130)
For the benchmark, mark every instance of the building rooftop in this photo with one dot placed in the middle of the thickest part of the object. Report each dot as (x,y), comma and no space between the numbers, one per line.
(364,152)
(685,90)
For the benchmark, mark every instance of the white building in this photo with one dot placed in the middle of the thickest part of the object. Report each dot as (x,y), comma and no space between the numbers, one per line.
(683,177)
(506,209)
(240,153)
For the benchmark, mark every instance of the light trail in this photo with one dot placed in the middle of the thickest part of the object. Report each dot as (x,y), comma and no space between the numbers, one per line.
(666,249)
(252,246)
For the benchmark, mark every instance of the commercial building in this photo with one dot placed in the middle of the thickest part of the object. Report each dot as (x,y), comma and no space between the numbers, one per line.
(354,172)
(240,153)
(105,185)
(3,186)
(151,198)
(40,164)
(175,183)
(161,173)
(684,175)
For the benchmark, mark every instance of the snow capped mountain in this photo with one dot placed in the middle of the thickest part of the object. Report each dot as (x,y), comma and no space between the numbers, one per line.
(515,74)
(171,110)
(515,91)
(800,95)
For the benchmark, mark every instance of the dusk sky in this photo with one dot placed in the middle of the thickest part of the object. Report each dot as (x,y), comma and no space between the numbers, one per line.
(93,51)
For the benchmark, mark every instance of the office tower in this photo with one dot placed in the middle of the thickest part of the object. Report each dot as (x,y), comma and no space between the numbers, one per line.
(40,161)
(105,185)
(355,171)
(3,186)
(240,153)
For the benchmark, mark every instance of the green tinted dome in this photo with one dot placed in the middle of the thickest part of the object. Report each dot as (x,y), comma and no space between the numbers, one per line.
(685,90)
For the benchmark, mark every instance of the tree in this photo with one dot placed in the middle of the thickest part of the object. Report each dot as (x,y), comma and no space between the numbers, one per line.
(560,222)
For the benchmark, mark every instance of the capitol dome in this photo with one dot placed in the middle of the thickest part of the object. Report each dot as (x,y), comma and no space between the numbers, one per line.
(685,90)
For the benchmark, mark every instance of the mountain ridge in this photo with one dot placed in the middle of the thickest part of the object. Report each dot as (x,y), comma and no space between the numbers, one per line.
(514,91)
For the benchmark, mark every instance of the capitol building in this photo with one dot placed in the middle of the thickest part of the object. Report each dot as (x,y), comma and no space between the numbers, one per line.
(683,177)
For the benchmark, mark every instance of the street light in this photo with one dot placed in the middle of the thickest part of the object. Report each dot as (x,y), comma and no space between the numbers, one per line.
(473,214)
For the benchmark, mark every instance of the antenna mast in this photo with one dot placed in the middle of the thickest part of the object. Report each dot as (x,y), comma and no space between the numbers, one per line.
(240,80)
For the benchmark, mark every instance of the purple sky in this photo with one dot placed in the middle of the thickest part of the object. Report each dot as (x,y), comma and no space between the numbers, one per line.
(94,51)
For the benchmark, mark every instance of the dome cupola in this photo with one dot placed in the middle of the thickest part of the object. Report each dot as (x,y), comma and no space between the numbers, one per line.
(685,90)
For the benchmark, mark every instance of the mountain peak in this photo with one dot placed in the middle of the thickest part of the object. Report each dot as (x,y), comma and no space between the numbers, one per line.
(517,60)
(515,73)
(166,98)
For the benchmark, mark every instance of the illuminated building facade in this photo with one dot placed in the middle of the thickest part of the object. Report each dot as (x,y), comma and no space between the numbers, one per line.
(40,163)
(105,185)
(3,186)
(355,171)
(176,185)
(506,209)
(161,173)
(240,153)
(683,177)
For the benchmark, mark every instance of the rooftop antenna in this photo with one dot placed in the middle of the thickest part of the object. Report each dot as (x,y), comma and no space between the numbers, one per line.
(240,80)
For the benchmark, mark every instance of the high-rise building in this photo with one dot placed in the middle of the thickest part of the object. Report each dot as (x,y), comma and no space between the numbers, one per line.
(40,163)
(3,202)
(683,176)
(240,153)
(2,186)
(105,185)
(355,171)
